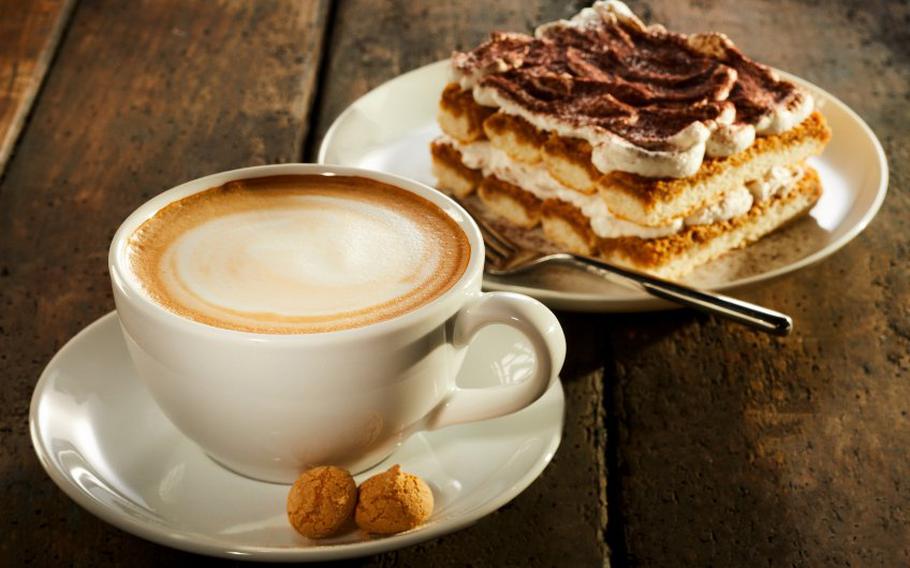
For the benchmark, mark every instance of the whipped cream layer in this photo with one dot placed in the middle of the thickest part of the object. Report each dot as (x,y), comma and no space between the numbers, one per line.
(776,181)
(649,101)
(537,180)
(302,261)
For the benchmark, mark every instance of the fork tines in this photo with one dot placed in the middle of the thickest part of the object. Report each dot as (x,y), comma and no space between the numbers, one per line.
(499,248)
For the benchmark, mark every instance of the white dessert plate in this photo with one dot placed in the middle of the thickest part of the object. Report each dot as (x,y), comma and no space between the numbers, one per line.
(102,439)
(390,129)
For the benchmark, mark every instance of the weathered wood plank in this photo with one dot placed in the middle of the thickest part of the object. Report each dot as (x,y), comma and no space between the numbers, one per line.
(142,96)
(29,33)
(737,449)
(561,519)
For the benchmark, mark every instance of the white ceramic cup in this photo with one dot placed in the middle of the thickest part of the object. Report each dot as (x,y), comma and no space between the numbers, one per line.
(268,406)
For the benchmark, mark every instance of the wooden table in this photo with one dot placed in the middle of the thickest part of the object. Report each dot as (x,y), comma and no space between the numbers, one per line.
(688,440)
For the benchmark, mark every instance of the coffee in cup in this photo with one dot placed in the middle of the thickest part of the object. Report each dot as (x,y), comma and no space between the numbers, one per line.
(298,254)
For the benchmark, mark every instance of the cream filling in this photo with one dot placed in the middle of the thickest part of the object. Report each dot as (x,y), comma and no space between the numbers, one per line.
(537,180)
(779,180)
(736,202)
(611,152)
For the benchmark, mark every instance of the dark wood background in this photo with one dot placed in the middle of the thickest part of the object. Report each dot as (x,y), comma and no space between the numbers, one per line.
(689,441)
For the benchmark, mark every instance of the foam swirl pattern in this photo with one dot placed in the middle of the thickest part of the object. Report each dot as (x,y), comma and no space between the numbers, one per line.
(298,254)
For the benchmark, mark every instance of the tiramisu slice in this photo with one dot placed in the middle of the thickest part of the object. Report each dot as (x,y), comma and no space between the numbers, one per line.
(648,148)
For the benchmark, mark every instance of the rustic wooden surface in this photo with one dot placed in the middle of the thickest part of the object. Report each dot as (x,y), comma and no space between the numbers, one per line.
(688,441)
(29,32)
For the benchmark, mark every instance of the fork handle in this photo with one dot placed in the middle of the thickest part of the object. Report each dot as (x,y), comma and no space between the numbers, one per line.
(752,315)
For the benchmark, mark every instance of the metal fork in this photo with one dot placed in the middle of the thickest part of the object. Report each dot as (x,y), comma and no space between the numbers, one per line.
(505,258)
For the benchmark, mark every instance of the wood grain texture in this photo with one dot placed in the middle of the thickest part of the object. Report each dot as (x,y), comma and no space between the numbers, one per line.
(142,96)
(561,519)
(29,33)
(737,449)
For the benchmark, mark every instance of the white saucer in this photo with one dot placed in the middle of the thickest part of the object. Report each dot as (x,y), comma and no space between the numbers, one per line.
(390,129)
(101,438)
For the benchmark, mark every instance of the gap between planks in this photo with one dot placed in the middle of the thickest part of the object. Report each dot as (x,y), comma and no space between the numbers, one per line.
(37,66)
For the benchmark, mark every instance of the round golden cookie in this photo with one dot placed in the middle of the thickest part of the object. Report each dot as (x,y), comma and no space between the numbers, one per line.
(393,501)
(321,501)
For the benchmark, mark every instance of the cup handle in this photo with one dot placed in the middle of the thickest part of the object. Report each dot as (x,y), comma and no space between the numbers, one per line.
(532,319)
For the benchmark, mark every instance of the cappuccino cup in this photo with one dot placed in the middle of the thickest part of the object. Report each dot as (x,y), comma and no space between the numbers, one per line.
(294,315)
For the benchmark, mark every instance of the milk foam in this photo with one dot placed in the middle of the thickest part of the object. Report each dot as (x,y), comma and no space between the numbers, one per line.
(300,261)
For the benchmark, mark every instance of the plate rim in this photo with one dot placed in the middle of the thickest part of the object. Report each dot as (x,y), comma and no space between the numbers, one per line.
(581,301)
(202,544)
